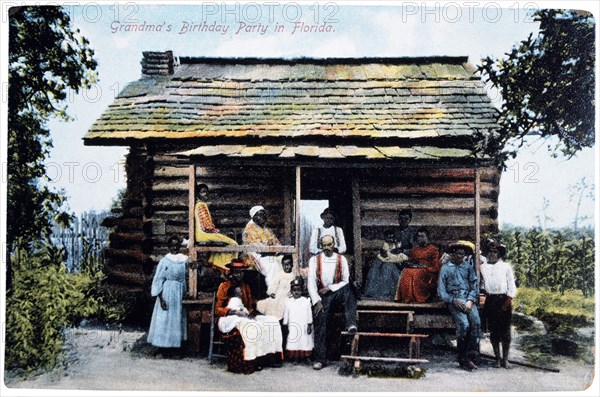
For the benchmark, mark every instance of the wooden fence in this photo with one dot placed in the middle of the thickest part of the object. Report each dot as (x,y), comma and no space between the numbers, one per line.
(84,240)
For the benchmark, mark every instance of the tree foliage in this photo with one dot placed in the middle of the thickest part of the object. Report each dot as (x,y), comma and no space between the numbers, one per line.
(47,58)
(547,86)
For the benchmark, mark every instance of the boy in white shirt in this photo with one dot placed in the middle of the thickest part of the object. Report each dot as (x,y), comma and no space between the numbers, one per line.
(500,289)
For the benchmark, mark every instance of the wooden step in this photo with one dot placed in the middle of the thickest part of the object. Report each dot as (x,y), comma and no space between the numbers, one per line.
(383,334)
(386,359)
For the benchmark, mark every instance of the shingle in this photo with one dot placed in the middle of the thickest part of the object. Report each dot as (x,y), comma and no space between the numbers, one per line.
(301,99)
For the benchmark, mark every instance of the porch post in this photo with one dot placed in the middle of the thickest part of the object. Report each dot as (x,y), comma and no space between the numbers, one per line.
(298,214)
(192,273)
(356,229)
(288,208)
(477,217)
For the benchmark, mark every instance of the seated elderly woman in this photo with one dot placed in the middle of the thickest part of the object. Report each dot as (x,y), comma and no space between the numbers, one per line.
(384,273)
(252,341)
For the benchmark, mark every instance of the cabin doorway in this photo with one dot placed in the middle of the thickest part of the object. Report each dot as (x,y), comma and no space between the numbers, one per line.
(322,188)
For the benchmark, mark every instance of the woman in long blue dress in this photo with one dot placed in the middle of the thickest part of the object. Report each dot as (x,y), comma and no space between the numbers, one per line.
(384,272)
(168,324)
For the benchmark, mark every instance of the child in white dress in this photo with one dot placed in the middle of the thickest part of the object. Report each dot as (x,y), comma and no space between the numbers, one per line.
(278,290)
(298,317)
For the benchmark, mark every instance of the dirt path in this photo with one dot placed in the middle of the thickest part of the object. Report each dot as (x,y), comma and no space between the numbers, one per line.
(101,359)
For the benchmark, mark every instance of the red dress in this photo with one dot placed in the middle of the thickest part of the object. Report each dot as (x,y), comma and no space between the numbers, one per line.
(234,344)
(419,285)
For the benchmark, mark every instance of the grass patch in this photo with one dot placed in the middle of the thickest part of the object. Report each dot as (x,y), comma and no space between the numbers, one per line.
(561,314)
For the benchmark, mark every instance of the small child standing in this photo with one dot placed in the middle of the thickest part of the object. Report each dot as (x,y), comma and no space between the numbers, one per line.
(297,316)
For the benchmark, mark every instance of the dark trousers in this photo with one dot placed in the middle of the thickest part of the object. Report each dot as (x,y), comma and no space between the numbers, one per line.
(343,296)
(498,320)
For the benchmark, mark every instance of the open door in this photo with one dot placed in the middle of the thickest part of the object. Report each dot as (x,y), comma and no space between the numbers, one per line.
(333,188)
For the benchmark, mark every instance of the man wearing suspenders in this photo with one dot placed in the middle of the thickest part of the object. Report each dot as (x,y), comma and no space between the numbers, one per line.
(328,283)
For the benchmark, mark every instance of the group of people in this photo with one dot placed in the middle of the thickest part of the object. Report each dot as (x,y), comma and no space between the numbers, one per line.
(411,269)
(407,266)
(295,311)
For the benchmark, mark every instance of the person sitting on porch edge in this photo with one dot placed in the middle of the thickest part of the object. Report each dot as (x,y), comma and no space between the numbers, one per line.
(459,288)
(418,284)
(384,273)
(206,232)
(328,283)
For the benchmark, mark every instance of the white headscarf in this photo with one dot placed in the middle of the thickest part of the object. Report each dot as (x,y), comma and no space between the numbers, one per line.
(255,209)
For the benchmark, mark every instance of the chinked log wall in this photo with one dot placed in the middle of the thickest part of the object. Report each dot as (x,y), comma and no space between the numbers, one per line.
(156,205)
(441,200)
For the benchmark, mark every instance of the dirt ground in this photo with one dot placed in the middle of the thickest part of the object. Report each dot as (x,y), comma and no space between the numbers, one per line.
(103,359)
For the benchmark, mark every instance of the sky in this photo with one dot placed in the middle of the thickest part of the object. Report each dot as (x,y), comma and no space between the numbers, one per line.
(92,176)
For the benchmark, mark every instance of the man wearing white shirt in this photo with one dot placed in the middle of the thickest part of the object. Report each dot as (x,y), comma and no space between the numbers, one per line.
(328,229)
(328,283)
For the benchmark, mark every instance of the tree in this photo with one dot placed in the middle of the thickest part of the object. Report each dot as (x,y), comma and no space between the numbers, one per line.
(547,87)
(46,59)
(580,191)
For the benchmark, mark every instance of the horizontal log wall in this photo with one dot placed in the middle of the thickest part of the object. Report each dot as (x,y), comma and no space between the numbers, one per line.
(441,200)
(233,190)
(129,255)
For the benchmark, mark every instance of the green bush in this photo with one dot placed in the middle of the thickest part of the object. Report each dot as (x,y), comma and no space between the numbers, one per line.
(44,299)
(560,313)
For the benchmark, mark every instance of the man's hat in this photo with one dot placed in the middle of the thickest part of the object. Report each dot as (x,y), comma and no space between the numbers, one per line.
(468,246)
(327,211)
(497,246)
(237,264)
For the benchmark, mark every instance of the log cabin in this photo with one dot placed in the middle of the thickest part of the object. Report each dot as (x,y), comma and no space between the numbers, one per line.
(370,135)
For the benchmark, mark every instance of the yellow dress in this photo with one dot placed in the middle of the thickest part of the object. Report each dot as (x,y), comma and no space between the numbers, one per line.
(206,232)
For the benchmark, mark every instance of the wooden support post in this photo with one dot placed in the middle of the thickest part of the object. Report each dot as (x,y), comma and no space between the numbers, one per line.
(298,208)
(192,273)
(356,228)
(477,218)
(288,209)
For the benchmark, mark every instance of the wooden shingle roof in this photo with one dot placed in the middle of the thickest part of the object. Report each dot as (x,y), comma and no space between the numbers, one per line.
(374,103)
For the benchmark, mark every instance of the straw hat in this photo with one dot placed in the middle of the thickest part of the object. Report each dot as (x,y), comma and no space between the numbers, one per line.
(468,246)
